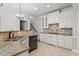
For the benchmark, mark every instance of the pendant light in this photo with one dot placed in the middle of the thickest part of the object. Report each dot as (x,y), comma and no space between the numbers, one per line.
(20,16)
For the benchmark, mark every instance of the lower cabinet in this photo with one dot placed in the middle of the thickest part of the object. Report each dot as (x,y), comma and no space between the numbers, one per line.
(43,38)
(68,42)
(52,39)
(49,38)
(57,40)
(65,41)
(61,41)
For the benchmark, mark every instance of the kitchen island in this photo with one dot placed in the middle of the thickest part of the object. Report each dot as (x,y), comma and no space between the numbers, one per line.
(15,48)
(16,45)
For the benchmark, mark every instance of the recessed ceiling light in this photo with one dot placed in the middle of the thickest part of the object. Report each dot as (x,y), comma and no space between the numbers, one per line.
(35,8)
(31,17)
(47,6)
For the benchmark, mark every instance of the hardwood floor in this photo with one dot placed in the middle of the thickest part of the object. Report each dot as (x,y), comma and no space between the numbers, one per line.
(48,50)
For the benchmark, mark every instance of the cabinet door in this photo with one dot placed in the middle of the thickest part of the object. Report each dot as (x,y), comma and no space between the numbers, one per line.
(49,39)
(68,42)
(53,17)
(43,37)
(61,41)
(52,39)
(44,22)
(67,18)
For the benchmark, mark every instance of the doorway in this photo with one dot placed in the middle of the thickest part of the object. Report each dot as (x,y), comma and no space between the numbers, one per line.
(23,25)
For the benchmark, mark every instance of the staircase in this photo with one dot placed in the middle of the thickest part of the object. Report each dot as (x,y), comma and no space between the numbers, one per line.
(32,28)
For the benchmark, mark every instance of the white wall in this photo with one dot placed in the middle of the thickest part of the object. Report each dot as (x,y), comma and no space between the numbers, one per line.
(8,19)
(37,23)
(76,8)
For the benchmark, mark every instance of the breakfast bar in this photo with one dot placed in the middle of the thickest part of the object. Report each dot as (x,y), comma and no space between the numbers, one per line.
(16,44)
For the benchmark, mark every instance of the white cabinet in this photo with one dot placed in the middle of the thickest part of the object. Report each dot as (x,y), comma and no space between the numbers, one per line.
(68,42)
(44,22)
(65,41)
(61,41)
(53,17)
(49,38)
(52,39)
(67,18)
(43,37)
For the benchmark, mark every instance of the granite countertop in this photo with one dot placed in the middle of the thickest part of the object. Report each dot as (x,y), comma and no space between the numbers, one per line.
(48,33)
(66,34)
(14,48)
(24,33)
(19,34)
(12,31)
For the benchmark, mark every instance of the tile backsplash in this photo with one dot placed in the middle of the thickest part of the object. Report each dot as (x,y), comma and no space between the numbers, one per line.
(54,28)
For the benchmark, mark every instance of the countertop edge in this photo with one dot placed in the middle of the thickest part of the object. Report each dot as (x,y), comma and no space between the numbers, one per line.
(57,34)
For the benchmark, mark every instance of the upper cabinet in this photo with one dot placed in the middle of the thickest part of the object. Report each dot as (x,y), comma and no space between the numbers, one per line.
(53,17)
(66,17)
(44,21)
(50,19)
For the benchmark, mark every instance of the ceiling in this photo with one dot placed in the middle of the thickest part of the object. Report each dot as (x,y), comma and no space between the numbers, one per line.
(28,8)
